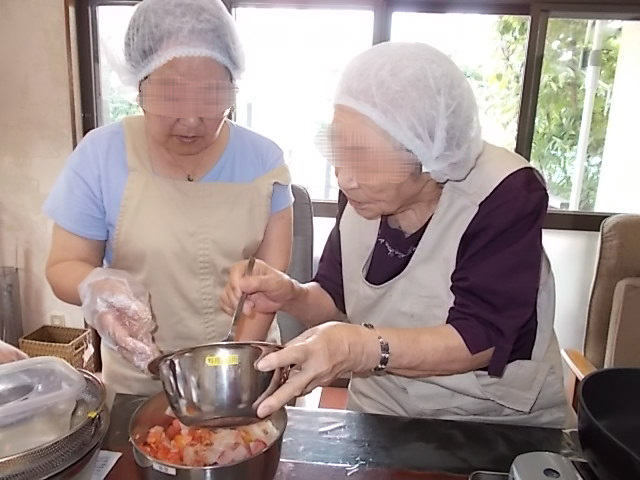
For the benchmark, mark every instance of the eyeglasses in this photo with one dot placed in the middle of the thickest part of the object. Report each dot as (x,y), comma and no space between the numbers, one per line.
(176,97)
(367,156)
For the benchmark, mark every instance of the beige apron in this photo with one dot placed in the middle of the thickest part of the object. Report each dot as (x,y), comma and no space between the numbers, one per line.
(529,392)
(179,239)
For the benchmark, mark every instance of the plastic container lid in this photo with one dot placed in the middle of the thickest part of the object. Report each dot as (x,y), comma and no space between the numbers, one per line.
(33,385)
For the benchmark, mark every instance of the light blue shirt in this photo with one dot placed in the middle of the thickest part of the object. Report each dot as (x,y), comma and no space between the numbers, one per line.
(86,197)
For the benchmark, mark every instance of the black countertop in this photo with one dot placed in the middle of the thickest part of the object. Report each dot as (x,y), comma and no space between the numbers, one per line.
(339,437)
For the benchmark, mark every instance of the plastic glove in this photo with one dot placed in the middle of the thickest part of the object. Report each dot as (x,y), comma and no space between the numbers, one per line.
(117,306)
(318,356)
(9,353)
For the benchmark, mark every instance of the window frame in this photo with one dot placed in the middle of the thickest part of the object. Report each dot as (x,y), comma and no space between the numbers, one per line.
(538,12)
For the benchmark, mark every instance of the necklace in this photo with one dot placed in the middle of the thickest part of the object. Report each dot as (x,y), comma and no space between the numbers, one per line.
(191,176)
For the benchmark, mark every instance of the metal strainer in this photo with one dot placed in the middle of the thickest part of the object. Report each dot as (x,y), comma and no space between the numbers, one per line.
(89,424)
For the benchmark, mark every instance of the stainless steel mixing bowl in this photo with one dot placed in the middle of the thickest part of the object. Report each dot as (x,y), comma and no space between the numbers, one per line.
(217,384)
(260,467)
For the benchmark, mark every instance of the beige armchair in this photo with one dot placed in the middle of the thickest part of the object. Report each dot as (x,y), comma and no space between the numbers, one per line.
(613,322)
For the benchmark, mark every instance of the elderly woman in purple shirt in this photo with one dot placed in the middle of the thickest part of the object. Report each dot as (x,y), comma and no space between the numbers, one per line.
(433,291)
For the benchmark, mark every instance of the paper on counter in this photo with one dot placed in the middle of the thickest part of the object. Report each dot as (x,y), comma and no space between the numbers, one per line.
(106,461)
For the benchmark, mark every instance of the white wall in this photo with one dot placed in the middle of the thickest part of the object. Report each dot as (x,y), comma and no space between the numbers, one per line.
(35,139)
(573,258)
(618,185)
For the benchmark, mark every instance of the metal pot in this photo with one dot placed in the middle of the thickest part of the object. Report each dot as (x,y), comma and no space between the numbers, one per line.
(609,422)
(217,384)
(83,468)
(72,456)
(152,412)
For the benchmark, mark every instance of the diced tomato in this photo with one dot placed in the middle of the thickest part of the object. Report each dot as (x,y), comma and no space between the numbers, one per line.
(174,457)
(149,450)
(156,435)
(163,452)
(180,441)
(173,429)
(257,446)
(198,447)
(201,436)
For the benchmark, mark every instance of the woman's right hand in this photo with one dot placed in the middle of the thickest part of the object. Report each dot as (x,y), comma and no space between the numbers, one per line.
(9,353)
(267,289)
(117,306)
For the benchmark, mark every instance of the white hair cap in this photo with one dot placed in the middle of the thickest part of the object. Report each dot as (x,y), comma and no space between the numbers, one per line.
(422,99)
(161,30)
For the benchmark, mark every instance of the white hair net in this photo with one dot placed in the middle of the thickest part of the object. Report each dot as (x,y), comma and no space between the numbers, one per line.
(422,99)
(161,30)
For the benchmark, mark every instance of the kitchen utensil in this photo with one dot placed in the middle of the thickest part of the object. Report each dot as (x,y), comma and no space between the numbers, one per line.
(609,422)
(217,384)
(89,424)
(231,336)
(260,467)
(16,392)
(608,430)
(39,395)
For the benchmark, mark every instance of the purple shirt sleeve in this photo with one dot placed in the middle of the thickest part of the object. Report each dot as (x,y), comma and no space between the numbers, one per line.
(495,282)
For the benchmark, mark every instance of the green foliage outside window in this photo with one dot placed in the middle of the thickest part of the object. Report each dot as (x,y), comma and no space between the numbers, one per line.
(560,99)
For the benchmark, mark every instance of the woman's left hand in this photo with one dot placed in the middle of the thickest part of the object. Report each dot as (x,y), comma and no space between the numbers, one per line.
(318,356)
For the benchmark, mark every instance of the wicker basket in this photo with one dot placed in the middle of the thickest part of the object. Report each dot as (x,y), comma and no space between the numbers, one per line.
(67,343)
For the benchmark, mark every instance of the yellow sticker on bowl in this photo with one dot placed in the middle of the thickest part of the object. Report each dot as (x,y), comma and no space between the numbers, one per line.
(221,360)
